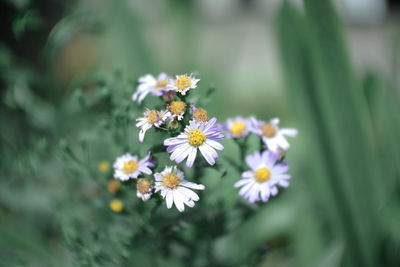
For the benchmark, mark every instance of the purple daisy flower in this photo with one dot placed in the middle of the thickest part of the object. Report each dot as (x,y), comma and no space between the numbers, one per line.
(237,127)
(128,166)
(201,135)
(262,180)
(150,84)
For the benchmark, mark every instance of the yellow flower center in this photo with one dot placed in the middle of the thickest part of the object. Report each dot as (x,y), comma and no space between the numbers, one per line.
(154,116)
(196,137)
(104,166)
(116,205)
(144,186)
(130,166)
(262,175)
(113,186)
(171,180)
(161,84)
(238,128)
(177,107)
(200,115)
(268,130)
(183,82)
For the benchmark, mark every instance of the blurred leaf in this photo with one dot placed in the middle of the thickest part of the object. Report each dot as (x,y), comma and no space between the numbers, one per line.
(28,20)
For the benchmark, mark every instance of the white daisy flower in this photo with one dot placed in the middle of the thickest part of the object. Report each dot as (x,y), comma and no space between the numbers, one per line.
(175,189)
(183,83)
(197,135)
(176,110)
(151,118)
(273,137)
(149,84)
(262,180)
(144,189)
(128,166)
(237,127)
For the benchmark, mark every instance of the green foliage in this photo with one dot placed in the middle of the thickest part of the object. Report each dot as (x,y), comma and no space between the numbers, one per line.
(325,88)
(341,210)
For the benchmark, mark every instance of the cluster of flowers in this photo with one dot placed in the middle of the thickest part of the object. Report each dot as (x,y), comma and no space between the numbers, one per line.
(199,132)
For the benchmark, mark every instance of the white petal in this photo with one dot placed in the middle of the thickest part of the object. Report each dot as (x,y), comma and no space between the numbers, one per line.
(254,195)
(178,202)
(274,190)
(179,150)
(148,78)
(214,144)
(279,169)
(175,141)
(246,188)
(269,158)
(169,199)
(142,121)
(289,132)
(193,185)
(275,121)
(254,160)
(282,142)
(189,193)
(265,193)
(282,176)
(184,154)
(283,183)
(145,170)
(209,124)
(191,157)
(271,144)
(185,199)
(248,174)
(241,182)
(208,153)
(141,135)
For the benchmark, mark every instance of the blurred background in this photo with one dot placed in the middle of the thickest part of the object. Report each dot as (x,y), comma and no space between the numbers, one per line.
(328,68)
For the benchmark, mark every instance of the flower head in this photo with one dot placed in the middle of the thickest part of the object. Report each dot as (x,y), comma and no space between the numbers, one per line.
(237,127)
(128,166)
(103,166)
(116,205)
(262,180)
(199,114)
(183,83)
(151,118)
(113,186)
(149,84)
(176,109)
(168,96)
(144,189)
(197,135)
(175,189)
(273,137)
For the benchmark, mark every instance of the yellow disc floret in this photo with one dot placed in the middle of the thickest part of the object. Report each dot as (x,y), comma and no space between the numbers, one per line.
(200,115)
(183,82)
(144,186)
(262,175)
(177,107)
(238,128)
(113,186)
(161,84)
(130,166)
(154,116)
(116,205)
(268,130)
(171,180)
(196,137)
